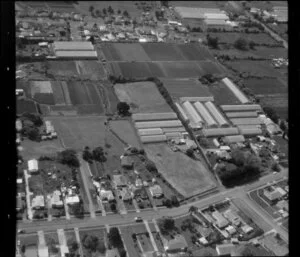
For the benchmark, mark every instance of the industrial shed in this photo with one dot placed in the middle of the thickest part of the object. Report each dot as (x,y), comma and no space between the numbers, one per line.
(153,139)
(73,46)
(205,115)
(195,13)
(151,131)
(174,135)
(197,99)
(192,113)
(182,112)
(154,116)
(216,16)
(216,114)
(250,131)
(178,129)
(243,99)
(241,114)
(241,107)
(76,54)
(246,121)
(214,132)
(212,22)
(158,124)
(234,139)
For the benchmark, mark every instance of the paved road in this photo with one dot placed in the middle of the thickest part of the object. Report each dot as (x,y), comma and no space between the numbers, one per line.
(117,219)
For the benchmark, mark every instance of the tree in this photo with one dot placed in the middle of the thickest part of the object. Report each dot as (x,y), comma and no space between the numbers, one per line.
(241,44)
(52,246)
(238,157)
(123,108)
(98,154)
(125,13)
(69,158)
(34,118)
(282,125)
(33,133)
(74,246)
(193,209)
(271,114)
(190,152)
(150,166)
(167,203)
(113,207)
(252,44)
(115,238)
(87,155)
(175,201)
(165,3)
(101,247)
(119,11)
(104,11)
(90,242)
(167,224)
(110,10)
(212,41)
(91,9)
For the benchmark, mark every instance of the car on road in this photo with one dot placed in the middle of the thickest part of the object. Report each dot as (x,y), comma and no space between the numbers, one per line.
(138,219)
(21,231)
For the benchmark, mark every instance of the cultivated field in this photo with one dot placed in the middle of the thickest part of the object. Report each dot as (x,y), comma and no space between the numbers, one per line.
(162,52)
(185,87)
(189,177)
(222,94)
(92,70)
(210,67)
(257,68)
(182,69)
(266,86)
(279,102)
(142,96)
(26,106)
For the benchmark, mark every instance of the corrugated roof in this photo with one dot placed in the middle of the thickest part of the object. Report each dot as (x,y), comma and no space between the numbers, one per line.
(241,107)
(158,124)
(234,139)
(73,45)
(153,139)
(196,13)
(182,112)
(90,54)
(197,99)
(151,131)
(234,89)
(216,114)
(154,116)
(177,129)
(215,22)
(250,131)
(216,16)
(220,131)
(241,114)
(205,114)
(246,121)
(192,113)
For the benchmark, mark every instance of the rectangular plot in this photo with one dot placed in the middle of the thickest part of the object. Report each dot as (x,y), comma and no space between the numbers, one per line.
(156,69)
(135,70)
(58,93)
(209,67)
(93,93)
(62,68)
(85,109)
(94,69)
(65,89)
(131,52)
(265,86)
(194,52)
(115,69)
(111,53)
(75,98)
(162,52)
(181,69)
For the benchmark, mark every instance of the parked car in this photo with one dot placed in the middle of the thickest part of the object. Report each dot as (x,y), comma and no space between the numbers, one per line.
(138,219)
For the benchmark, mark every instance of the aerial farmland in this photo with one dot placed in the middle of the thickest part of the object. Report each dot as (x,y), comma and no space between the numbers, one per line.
(152,128)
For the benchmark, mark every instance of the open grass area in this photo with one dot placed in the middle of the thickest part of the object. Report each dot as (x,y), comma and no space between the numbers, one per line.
(137,96)
(52,243)
(185,87)
(188,176)
(266,86)
(33,149)
(28,240)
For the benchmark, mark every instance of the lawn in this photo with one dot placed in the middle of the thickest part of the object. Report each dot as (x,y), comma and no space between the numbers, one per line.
(142,96)
(283,145)
(71,238)
(194,52)
(266,86)
(134,69)
(184,88)
(188,176)
(101,234)
(182,69)
(131,52)
(28,240)
(26,106)
(222,94)
(52,243)
(163,52)
(33,149)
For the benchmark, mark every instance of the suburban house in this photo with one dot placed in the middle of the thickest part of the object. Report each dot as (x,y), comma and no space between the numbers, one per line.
(73,199)
(221,221)
(138,182)
(225,249)
(156,191)
(178,244)
(140,193)
(246,229)
(33,165)
(125,194)
(230,229)
(38,202)
(272,194)
(106,195)
(126,162)
(120,181)
(232,217)
(56,199)
(283,205)
(112,253)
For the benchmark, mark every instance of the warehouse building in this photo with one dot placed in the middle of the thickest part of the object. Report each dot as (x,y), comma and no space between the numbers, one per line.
(233,88)
(234,139)
(216,114)
(241,107)
(251,114)
(182,112)
(73,46)
(158,124)
(154,116)
(153,139)
(176,129)
(250,131)
(76,54)
(195,13)
(192,113)
(215,132)
(245,121)
(210,122)
(151,131)
(197,99)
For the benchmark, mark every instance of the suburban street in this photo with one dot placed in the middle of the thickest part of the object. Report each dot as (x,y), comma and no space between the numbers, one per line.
(239,193)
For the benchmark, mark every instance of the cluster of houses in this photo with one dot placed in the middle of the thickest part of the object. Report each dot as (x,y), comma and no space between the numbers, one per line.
(278,13)
(279,62)
(49,131)
(279,197)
